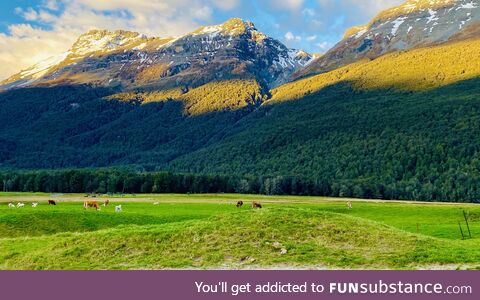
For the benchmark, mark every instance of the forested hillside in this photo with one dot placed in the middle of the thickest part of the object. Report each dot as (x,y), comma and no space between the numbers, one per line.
(406,125)
(412,145)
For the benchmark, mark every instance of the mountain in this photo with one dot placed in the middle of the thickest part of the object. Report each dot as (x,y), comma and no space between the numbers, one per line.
(232,50)
(389,128)
(403,125)
(416,23)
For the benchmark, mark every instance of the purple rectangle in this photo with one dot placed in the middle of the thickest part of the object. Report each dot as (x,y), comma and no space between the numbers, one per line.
(139,285)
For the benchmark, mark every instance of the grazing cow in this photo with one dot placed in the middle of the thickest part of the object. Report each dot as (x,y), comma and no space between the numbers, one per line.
(349,204)
(106,202)
(256,205)
(88,204)
(118,208)
(52,202)
(20,204)
(34,204)
(239,204)
(11,205)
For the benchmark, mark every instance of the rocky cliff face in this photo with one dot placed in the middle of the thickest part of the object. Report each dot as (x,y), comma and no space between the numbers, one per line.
(234,49)
(416,23)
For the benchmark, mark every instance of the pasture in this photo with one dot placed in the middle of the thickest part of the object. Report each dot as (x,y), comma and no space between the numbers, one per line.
(210,232)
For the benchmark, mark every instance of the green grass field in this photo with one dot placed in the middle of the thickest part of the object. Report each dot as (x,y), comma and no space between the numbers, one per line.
(208,231)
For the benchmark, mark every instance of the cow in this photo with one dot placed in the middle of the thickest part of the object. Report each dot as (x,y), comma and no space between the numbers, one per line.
(256,205)
(118,208)
(52,202)
(239,204)
(88,204)
(11,205)
(349,204)
(20,204)
(106,202)
(34,204)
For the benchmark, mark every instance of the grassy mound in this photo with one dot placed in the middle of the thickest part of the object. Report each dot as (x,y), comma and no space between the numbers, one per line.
(278,236)
(71,217)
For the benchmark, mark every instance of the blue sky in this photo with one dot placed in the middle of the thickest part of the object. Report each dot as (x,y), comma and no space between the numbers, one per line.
(32,30)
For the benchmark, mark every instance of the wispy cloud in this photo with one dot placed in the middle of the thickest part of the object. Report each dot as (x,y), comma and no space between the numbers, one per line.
(290,37)
(323,46)
(287,4)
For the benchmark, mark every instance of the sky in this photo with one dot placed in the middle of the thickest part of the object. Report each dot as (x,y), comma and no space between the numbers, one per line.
(33,30)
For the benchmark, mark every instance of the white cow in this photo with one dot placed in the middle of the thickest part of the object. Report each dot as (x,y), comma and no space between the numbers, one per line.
(118,208)
(20,204)
(11,205)
(34,204)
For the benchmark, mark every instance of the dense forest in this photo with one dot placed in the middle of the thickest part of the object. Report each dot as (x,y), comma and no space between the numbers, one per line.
(107,181)
(120,181)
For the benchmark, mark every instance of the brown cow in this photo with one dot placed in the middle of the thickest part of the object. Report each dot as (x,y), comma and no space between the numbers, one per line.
(52,202)
(106,202)
(88,204)
(239,204)
(256,205)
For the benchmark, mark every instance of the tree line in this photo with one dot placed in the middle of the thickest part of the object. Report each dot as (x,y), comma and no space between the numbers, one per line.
(104,181)
(122,181)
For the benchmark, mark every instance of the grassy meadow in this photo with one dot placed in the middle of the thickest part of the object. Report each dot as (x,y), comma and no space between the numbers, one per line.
(208,232)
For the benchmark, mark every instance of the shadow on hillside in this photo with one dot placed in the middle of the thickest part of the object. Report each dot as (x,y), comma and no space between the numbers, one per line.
(74,126)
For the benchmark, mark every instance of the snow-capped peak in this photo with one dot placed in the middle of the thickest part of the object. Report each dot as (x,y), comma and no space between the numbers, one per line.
(431,16)
(38,70)
(234,48)
(105,41)
(415,23)
(232,27)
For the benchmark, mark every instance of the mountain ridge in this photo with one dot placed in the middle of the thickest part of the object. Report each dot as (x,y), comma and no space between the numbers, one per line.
(414,24)
(232,49)
(235,49)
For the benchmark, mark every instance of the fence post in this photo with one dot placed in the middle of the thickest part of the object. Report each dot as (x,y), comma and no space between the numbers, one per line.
(466,221)
(461,231)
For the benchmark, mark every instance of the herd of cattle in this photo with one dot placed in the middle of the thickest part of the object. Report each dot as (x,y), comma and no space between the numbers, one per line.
(254,204)
(86,204)
(118,208)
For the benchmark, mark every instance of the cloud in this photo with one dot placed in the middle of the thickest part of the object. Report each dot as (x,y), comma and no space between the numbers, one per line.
(308,12)
(292,4)
(359,8)
(290,37)
(51,5)
(26,45)
(372,7)
(311,38)
(323,46)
